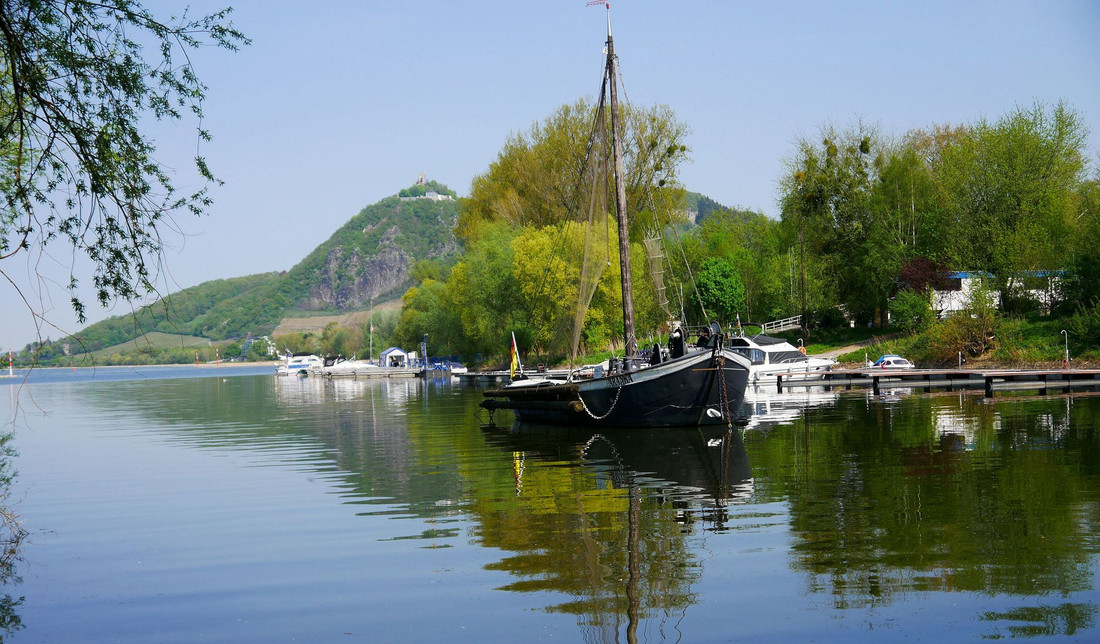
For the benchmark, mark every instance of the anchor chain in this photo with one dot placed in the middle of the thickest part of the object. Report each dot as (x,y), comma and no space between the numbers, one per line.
(613,403)
(724,396)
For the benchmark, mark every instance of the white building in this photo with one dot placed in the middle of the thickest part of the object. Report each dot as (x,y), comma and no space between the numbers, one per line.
(1039,286)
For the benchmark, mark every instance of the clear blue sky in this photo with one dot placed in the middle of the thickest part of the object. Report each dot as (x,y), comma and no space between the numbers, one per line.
(339,104)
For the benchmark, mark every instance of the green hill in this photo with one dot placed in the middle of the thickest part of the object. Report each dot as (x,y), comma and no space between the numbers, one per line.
(370,258)
(171,315)
(701,206)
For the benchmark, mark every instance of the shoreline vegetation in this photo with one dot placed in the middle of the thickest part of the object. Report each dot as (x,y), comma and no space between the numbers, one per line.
(873,230)
(1004,343)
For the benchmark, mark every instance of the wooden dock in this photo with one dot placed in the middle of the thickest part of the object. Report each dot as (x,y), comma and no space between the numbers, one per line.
(498,377)
(950,379)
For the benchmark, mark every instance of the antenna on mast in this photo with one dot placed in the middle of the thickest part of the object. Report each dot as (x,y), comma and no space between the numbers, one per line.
(606,3)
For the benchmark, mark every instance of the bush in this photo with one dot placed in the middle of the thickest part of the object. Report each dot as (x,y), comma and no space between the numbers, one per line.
(911,312)
(1084,326)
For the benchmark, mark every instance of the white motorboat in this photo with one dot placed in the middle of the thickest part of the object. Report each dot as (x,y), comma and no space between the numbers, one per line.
(891,361)
(341,368)
(771,357)
(299,364)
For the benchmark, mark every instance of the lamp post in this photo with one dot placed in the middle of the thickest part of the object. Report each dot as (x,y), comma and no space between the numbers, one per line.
(1065,360)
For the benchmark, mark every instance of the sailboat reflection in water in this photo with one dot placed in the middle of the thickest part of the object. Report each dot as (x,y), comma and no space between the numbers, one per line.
(613,522)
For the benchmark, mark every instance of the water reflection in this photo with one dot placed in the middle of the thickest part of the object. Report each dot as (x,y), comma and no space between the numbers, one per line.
(609,519)
(764,407)
(865,501)
(940,494)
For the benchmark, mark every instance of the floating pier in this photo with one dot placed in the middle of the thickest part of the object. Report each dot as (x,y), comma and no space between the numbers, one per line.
(950,379)
(496,377)
(482,377)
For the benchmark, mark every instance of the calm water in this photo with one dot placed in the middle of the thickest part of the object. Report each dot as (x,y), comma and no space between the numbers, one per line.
(253,508)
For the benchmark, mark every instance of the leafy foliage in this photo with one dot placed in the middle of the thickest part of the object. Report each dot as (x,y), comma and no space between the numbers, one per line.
(720,289)
(539,177)
(75,87)
(911,311)
(1007,197)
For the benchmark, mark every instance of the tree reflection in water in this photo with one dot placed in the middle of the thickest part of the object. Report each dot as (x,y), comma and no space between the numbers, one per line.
(941,494)
(606,518)
(11,537)
(884,500)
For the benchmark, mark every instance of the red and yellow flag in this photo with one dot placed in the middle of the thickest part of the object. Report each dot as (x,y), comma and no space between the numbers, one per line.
(514,366)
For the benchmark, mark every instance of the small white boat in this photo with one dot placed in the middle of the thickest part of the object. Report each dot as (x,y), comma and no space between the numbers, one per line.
(299,364)
(445,367)
(456,368)
(353,368)
(771,357)
(891,361)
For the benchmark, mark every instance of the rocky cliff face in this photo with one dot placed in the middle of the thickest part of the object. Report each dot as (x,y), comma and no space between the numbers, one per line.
(373,255)
(350,279)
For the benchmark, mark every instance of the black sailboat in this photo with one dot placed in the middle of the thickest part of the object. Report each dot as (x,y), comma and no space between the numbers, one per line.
(703,386)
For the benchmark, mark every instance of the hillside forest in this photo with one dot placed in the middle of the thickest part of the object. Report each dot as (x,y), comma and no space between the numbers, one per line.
(869,224)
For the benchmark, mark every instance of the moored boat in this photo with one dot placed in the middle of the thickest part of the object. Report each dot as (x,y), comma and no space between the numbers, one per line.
(299,364)
(699,387)
(770,357)
(341,368)
(703,387)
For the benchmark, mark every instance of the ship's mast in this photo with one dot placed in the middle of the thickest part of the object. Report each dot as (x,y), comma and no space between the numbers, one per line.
(630,339)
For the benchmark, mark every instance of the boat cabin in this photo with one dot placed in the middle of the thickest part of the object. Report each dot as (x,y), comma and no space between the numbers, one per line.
(763,349)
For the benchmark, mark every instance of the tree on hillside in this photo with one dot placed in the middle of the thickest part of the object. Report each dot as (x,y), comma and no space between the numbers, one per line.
(76,85)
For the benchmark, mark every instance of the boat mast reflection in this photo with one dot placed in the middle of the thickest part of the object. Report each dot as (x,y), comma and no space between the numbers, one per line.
(623,518)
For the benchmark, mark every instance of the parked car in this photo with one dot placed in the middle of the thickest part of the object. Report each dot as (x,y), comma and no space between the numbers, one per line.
(892,362)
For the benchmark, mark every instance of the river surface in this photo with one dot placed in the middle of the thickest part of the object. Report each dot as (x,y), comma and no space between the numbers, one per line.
(239,506)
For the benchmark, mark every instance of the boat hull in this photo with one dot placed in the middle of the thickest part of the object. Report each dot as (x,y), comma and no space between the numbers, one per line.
(704,388)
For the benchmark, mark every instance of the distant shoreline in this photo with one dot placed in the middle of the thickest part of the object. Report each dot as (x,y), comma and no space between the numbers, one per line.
(223,363)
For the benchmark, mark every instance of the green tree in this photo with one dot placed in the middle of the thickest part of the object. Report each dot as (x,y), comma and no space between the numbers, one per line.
(538,177)
(827,204)
(76,91)
(427,310)
(757,247)
(1013,185)
(721,292)
(482,290)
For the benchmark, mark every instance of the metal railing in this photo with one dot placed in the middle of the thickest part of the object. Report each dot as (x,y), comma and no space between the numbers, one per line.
(784,324)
